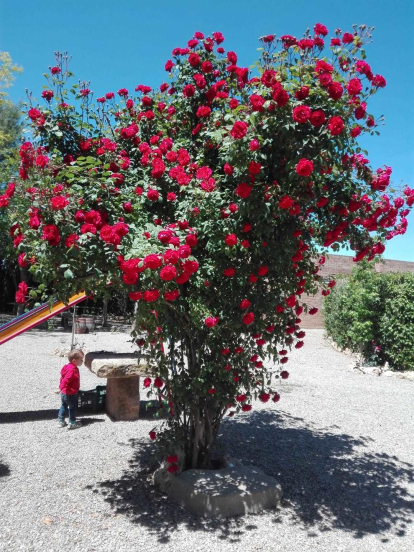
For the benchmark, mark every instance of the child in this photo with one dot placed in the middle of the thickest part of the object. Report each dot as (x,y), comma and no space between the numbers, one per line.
(69,387)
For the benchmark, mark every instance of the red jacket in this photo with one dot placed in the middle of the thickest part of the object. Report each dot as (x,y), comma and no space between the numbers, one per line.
(69,379)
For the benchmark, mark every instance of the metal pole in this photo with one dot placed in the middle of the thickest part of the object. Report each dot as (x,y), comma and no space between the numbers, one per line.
(73,327)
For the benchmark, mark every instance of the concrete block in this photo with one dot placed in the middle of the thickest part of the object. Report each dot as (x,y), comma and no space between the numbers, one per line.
(225,493)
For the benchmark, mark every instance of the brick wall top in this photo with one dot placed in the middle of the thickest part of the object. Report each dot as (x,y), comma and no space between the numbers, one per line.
(341,264)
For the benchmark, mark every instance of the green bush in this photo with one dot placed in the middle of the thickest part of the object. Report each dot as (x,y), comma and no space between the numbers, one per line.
(396,325)
(373,314)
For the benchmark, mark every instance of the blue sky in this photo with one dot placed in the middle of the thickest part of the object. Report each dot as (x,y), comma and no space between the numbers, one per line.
(122,43)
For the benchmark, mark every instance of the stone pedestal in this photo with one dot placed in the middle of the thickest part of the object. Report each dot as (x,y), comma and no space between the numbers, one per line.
(122,398)
(122,371)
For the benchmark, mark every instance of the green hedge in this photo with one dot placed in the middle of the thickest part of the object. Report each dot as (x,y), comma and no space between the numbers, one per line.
(373,314)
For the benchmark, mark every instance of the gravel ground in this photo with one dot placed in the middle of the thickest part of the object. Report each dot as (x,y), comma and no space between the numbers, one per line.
(340,443)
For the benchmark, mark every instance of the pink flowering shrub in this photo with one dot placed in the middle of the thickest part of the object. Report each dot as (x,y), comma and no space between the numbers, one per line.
(208,200)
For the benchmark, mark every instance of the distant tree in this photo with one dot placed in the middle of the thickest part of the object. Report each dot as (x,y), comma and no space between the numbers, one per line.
(10,134)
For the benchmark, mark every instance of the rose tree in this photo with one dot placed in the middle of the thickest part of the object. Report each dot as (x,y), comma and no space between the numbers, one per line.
(209,200)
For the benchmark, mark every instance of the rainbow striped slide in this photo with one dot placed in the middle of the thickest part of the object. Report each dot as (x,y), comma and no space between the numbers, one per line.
(36,316)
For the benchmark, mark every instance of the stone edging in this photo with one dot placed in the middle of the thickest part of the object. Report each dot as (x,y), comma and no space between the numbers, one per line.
(357,366)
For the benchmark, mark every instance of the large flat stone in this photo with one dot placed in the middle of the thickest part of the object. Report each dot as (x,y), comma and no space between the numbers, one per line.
(105,364)
(225,493)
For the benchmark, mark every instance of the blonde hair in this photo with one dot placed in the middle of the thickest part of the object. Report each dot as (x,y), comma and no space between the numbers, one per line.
(75,353)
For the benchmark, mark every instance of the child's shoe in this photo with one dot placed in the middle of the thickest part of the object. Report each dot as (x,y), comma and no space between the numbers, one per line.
(74,425)
(62,423)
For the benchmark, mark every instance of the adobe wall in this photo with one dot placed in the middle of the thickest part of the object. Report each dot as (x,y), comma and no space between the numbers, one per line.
(341,264)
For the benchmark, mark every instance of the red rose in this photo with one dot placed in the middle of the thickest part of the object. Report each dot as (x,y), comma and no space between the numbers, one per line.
(231,240)
(152,435)
(171,295)
(354,87)
(19,297)
(228,169)
(191,267)
(130,278)
(317,118)
(165,236)
(183,278)
(152,261)
(243,190)
(158,168)
(263,270)
(335,90)
(41,161)
(172,459)
(286,202)
(322,202)
(207,67)
(194,59)
(51,234)
(168,273)
(184,251)
(172,468)
(276,397)
(239,130)
(58,202)
(151,295)
(107,233)
(304,167)
(229,272)
(356,131)
(284,374)
(248,318)
(301,114)
(211,321)
(320,29)
(256,102)
(313,310)
(264,397)
(379,81)
(347,38)
(254,168)
(245,304)
(246,407)
(21,260)
(335,125)
(153,195)
(302,93)
(232,57)
(191,240)
(135,296)
(47,95)
(203,111)
(291,301)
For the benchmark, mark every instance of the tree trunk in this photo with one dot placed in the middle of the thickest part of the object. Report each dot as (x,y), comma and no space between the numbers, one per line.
(105,312)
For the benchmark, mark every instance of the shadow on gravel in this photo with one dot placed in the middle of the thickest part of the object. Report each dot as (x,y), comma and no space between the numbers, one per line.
(40,415)
(4,469)
(330,481)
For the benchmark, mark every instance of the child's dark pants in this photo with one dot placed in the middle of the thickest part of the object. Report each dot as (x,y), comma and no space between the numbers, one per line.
(69,403)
